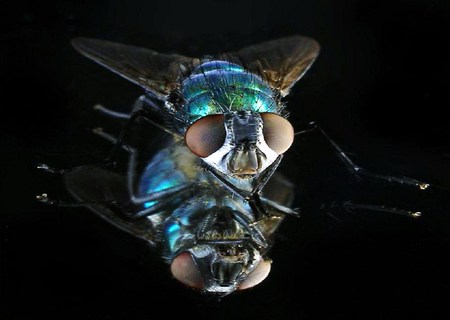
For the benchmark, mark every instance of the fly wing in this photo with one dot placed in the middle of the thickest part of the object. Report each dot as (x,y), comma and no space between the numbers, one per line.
(155,72)
(281,62)
(99,189)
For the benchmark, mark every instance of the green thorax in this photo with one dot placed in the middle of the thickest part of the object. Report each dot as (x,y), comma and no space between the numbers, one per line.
(218,87)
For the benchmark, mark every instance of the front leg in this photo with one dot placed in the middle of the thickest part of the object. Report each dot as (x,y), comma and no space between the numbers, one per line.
(361,172)
(368,191)
(259,205)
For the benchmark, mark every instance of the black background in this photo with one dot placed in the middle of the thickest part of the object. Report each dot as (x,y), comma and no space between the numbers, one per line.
(379,88)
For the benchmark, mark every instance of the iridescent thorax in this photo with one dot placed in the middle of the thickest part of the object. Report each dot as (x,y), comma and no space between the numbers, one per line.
(218,87)
(225,109)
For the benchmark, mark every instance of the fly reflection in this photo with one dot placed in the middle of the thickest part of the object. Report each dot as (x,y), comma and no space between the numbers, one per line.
(211,237)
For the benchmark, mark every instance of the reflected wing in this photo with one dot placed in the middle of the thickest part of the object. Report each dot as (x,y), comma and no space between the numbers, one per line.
(98,187)
(155,72)
(282,62)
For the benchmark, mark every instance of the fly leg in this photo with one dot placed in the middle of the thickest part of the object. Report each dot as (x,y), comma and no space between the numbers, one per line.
(111,113)
(144,107)
(376,187)
(161,198)
(350,206)
(138,104)
(131,175)
(334,210)
(258,205)
(44,198)
(111,205)
(138,112)
(361,172)
(154,202)
(99,132)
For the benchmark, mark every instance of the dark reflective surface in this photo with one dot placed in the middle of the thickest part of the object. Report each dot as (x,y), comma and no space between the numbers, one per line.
(377,61)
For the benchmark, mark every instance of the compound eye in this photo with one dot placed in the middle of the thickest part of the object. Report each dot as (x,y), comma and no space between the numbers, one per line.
(278,132)
(206,135)
(261,272)
(184,270)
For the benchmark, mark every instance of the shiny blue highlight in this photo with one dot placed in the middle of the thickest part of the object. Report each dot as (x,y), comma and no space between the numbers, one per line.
(220,87)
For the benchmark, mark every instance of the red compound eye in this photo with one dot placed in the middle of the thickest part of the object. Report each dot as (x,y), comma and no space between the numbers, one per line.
(261,272)
(184,270)
(206,135)
(278,132)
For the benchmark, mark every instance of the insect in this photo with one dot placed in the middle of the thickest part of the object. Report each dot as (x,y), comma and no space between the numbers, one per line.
(212,239)
(225,113)
(227,107)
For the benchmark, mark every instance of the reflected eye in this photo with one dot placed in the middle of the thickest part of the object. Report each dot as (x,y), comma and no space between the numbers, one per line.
(261,272)
(184,270)
(278,132)
(206,135)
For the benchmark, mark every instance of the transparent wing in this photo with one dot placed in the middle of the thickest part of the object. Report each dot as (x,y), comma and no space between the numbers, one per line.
(155,72)
(105,193)
(282,62)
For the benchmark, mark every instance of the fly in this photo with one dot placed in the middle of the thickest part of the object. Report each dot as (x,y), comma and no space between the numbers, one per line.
(225,112)
(212,239)
(227,107)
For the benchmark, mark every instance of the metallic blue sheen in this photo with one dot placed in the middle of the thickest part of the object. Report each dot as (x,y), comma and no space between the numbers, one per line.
(183,218)
(220,87)
(159,175)
(173,167)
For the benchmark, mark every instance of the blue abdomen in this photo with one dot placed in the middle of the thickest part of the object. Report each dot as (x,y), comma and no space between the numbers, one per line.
(220,87)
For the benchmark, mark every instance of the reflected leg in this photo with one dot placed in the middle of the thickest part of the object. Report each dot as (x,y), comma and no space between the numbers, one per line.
(163,196)
(350,206)
(258,205)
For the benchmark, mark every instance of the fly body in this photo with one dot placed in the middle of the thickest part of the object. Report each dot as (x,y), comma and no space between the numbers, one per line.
(227,107)
(225,112)
(212,239)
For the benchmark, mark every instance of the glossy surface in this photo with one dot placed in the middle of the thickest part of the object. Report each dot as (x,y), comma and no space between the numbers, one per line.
(66,263)
(210,236)
(239,85)
(218,87)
